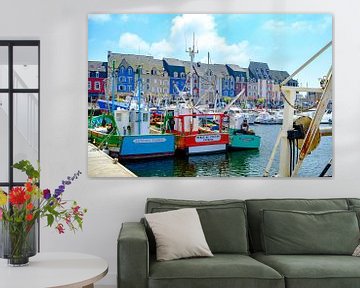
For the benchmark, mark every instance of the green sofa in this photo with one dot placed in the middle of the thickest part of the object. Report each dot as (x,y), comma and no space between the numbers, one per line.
(256,244)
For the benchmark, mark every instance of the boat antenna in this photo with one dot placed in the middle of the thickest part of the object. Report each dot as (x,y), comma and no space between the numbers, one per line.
(192,52)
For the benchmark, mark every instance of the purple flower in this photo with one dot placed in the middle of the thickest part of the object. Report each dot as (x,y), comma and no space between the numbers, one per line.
(46,194)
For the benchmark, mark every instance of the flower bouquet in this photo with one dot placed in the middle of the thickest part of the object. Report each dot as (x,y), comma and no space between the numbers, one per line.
(21,208)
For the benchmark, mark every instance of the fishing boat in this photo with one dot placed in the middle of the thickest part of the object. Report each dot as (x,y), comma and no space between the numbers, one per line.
(111,105)
(239,138)
(196,131)
(126,132)
(193,135)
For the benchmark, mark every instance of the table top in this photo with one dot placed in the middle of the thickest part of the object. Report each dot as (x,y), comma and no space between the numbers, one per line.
(67,270)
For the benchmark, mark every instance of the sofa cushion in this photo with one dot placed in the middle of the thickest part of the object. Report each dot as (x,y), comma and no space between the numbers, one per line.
(356,209)
(314,271)
(223,221)
(255,206)
(178,234)
(222,270)
(297,232)
(353,201)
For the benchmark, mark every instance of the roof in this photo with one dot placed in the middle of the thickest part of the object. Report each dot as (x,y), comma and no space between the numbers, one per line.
(174,62)
(278,76)
(219,69)
(147,62)
(97,66)
(236,68)
(259,70)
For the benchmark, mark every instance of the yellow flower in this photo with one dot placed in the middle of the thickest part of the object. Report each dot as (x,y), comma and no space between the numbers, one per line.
(3,198)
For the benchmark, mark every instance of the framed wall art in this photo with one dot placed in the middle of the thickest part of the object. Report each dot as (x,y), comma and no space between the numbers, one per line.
(210,95)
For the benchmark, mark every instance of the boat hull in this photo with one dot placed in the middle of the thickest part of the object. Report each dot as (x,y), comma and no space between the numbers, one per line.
(244,141)
(202,143)
(147,146)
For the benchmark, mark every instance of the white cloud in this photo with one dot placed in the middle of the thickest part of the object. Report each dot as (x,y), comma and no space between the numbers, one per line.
(180,37)
(130,41)
(124,18)
(99,17)
(297,26)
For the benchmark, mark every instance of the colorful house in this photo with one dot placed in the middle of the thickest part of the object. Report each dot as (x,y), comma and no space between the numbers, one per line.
(97,76)
(240,76)
(176,71)
(125,78)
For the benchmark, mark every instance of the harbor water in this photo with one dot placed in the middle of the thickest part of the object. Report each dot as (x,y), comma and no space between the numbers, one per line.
(245,163)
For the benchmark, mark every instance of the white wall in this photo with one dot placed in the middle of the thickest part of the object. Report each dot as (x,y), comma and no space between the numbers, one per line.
(62,28)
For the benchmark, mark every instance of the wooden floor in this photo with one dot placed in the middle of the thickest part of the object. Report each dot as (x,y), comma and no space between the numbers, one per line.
(102,165)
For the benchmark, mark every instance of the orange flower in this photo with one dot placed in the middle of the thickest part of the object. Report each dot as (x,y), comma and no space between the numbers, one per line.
(29,217)
(27,196)
(29,187)
(17,196)
(29,206)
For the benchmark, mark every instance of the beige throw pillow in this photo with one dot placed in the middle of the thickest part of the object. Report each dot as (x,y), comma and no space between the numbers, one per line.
(178,234)
(357,251)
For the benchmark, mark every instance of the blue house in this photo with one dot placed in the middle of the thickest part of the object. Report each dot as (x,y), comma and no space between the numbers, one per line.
(240,76)
(125,77)
(176,71)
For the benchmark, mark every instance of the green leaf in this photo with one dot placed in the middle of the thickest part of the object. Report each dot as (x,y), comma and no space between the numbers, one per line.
(50,219)
(26,167)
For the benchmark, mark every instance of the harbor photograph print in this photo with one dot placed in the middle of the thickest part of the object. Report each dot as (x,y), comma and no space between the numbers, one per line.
(210,95)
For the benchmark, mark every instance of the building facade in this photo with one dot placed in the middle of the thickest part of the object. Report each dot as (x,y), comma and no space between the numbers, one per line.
(263,81)
(240,77)
(166,77)
(177,75)
(155,80)
(97,76)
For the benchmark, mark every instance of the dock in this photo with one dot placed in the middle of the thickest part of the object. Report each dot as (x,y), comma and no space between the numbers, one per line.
(102,165)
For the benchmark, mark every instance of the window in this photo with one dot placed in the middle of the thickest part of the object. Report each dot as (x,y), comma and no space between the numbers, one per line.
(97,85)
(122,70)
(97,74)
(19,108)
(145,117)
(122,88)
(130,71)
(182,75)
(122,79)
(176,75)
(89,85)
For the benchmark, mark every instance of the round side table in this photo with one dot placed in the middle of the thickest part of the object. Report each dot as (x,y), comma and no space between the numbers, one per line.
(50,270)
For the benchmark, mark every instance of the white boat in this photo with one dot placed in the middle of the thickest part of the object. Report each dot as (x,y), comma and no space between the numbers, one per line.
(240,113)
(268,118)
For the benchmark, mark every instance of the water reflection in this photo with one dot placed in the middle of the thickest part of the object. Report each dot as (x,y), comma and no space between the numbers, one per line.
(250,163)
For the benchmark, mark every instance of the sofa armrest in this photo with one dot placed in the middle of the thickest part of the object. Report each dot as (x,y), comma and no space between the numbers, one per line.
(133,256)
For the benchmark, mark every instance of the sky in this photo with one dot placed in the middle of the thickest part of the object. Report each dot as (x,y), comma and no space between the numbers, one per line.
(284,41)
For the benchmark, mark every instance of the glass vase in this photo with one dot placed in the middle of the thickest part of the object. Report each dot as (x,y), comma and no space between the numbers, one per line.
(18,242)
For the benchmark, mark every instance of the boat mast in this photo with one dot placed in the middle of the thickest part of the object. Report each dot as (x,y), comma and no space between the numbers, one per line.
(113,88)
(139,89)
(192,52)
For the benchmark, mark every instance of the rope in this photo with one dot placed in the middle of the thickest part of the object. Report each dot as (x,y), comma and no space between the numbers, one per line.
(299,108)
